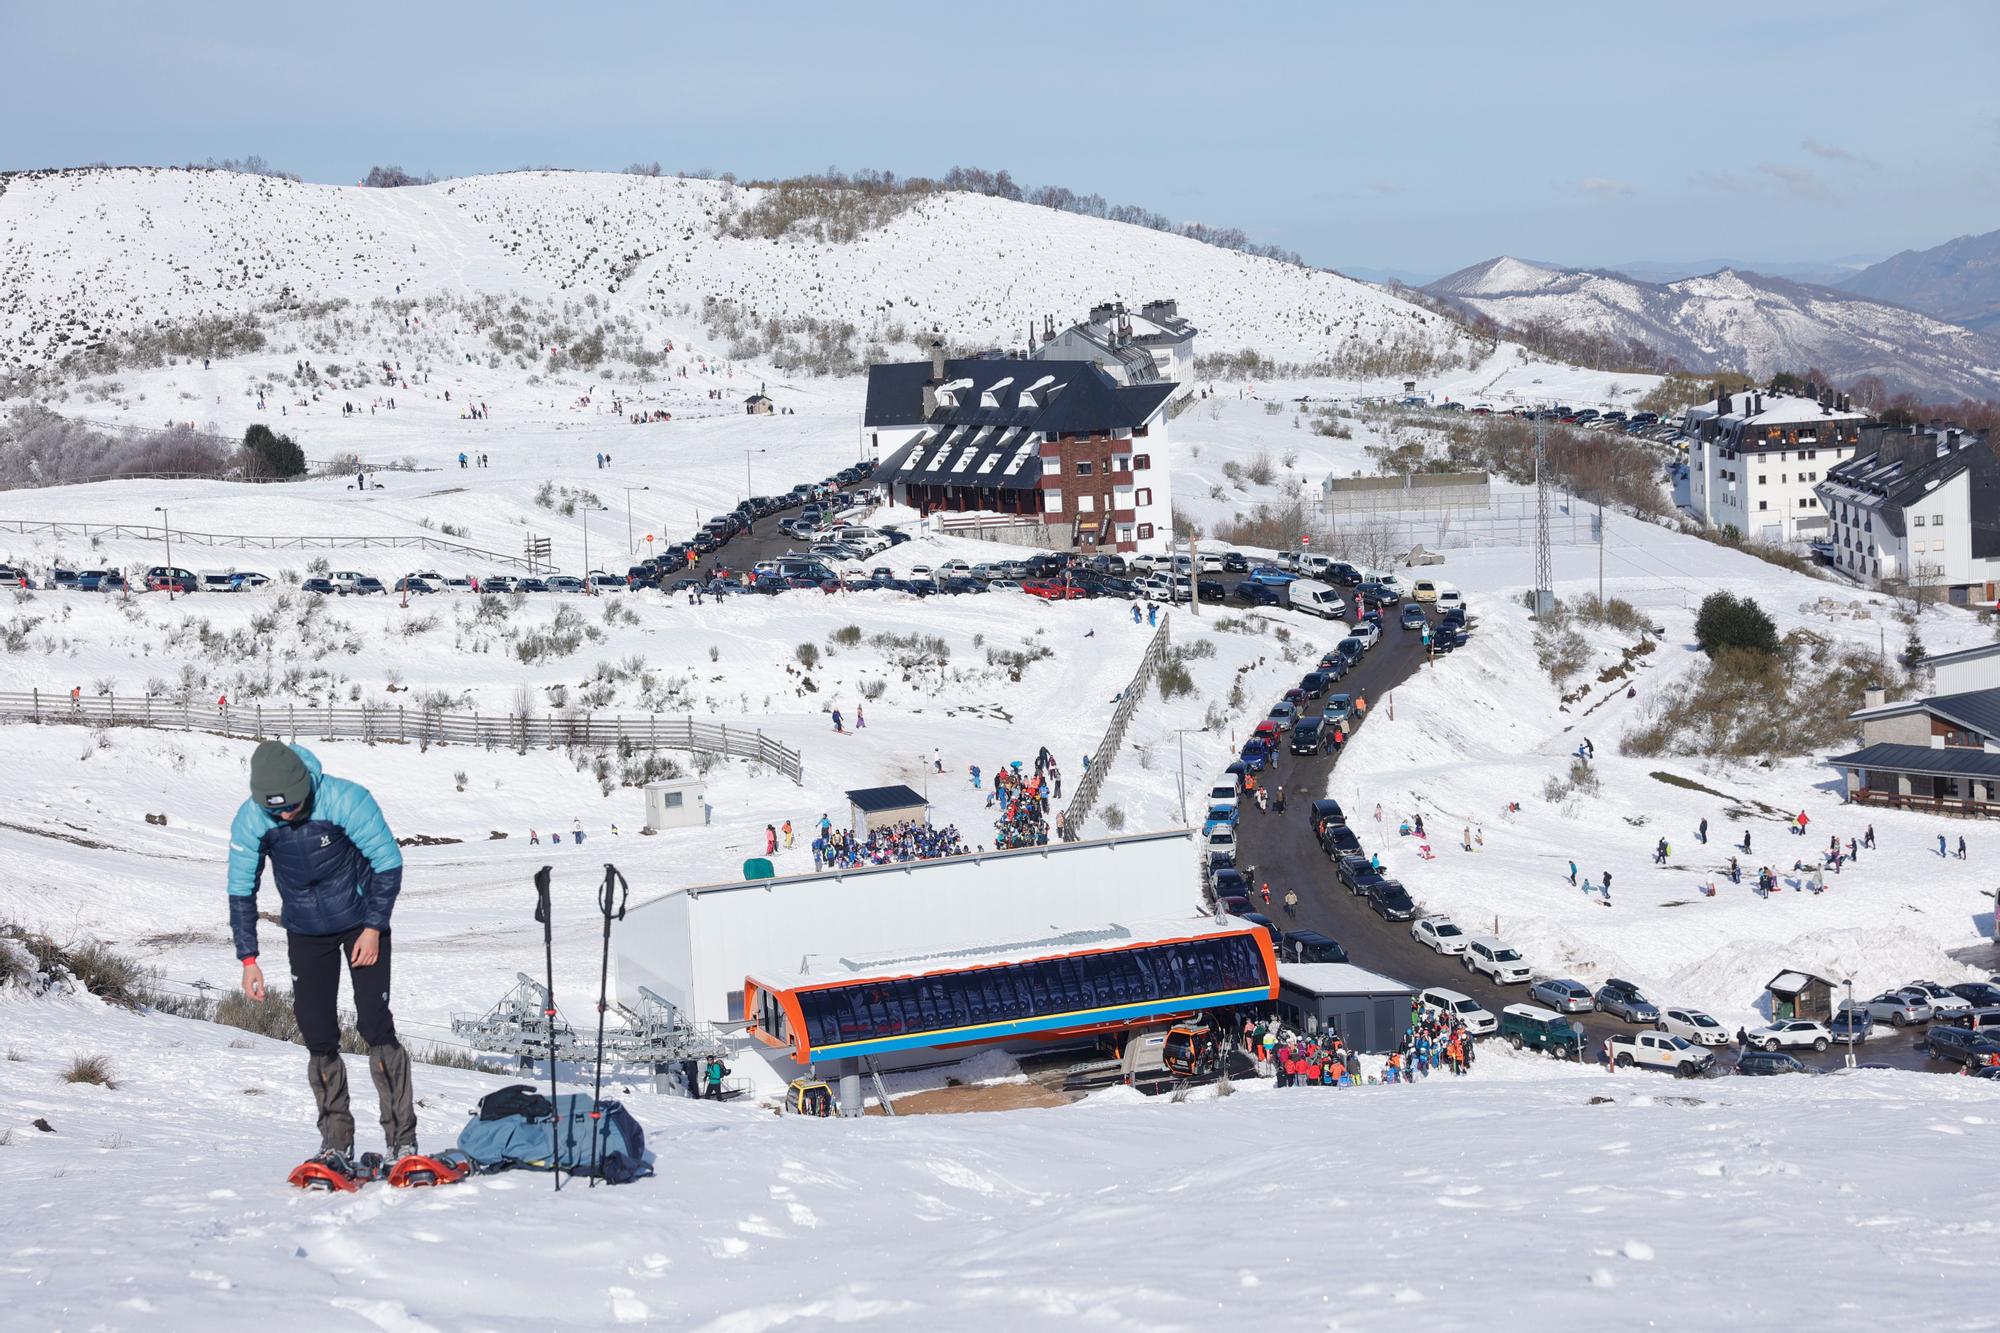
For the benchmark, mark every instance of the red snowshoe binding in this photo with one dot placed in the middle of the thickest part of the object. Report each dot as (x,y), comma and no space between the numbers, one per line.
(416,1171)
(332,1172)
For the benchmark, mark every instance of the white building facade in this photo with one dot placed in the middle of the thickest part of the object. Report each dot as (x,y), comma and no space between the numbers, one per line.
(1920,507)
(1755,461)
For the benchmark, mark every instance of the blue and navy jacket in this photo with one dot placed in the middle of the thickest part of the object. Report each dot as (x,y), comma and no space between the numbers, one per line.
(336,870)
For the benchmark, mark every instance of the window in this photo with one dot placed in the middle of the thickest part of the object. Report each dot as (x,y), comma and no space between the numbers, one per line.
(1082,468)
(1052,502)
(1761,479)
(1937,545)
(1141,462)
(672,799)
(1763,504)
(1917,522)
(1142,497)
(1121,465)
(1085,504)
(1145,532)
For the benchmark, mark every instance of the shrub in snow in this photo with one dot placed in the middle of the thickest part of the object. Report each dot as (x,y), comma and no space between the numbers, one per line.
(1726,621)
(90,1069)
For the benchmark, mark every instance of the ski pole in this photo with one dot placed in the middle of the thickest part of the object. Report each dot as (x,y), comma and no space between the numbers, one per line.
(604,905)
(546,917)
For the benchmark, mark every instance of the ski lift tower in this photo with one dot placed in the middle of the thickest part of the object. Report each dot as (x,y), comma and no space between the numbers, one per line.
(1545,597)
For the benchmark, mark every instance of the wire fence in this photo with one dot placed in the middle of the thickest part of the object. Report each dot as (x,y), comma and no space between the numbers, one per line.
(1099,768)
(152,532)
(426,726)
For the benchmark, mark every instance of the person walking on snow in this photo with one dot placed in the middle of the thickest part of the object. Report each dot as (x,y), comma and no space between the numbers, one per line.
(1868,838)
(788,835)
(1291,902)
(1941,850)
(1267,892)
(860,719)
(937,759)
(1961,846)
(1572,874)
(770,840)
(1607,888)
(336,869)
(836,719)
(1799,825)
(1701,834)
(1281,799)
(576,831)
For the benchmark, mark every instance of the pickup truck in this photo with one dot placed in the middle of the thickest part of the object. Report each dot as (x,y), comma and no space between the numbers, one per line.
(1661,1050)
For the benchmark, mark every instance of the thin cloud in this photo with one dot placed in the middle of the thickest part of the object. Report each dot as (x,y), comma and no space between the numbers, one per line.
(1604,185)
(1723,182)
(1796,180)
(1831,152)
(1386,187)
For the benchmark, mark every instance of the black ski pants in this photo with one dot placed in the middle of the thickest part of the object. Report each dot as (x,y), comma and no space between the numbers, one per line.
(315,961)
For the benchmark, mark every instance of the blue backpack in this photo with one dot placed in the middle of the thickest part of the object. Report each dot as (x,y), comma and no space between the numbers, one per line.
(520,1127)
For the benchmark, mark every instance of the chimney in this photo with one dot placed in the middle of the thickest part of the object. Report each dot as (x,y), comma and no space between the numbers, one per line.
(937,378)
(1873,696)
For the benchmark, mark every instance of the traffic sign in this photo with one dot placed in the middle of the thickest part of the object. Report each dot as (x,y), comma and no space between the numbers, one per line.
(1305,539)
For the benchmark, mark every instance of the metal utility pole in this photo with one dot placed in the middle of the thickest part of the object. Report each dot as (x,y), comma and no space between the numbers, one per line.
(167,531)
(588,586)
(628,514)
(1545,597)
(1600,551)
(1180,735)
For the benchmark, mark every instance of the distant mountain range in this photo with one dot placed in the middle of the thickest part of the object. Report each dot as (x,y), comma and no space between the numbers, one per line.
(1738,320)
(1958,281)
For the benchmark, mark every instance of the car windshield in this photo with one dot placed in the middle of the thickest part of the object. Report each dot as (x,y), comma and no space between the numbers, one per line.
(1465,1006)
(1678,1043)
(1703,1021)
(1506,956)
(1446,928)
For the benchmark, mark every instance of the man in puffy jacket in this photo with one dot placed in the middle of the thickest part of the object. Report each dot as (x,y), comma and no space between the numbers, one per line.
(337,870)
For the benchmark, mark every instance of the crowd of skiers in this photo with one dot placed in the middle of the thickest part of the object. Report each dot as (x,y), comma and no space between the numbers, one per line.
(1295,1060)
(1023,800)
(886,845)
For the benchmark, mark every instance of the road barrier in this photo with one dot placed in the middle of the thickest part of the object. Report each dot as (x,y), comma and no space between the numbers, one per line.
(1084,799)
(428,726)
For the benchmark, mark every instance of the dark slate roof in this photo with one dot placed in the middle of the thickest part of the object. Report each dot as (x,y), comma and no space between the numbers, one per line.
(1906,466)
(871,800)
(1923,759)
(1006,458)
(1978,710)
(1081,396)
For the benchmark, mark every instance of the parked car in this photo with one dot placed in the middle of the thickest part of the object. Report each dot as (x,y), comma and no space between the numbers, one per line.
(1621,999)
(324,587)
(246,580)
(1562,995)
(1897,1010)
(1693,1024)
(411,583)
(1458,1007)
(1284,713)
(1959,1045)
(1219,816)
(1792,1032)
(1526,1027)
(1977,994)
(1850,1027)
(1391,901)
(160,578)
(1255,755)
(99,580)
(1338,840)
(1378,592)
(1339,708)
(1499,963)
(1311,736)
(1355,872)
(1770,1062)
(1660,1050)
(1413,617)
(1326,811)
(1941,1001)
(1309,946)
(1439,933)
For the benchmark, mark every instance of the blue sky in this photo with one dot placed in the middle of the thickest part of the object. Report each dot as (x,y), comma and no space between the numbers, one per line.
(1413,136)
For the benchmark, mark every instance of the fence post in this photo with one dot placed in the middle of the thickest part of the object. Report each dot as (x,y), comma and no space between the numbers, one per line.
(292,720)
(38,703)
(260,721)
(402,727)
(725,738)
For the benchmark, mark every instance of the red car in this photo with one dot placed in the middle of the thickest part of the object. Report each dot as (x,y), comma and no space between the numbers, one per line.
(1269,732)
(1053,590)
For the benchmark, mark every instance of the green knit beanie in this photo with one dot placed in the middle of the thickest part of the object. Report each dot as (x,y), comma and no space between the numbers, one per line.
(278,777)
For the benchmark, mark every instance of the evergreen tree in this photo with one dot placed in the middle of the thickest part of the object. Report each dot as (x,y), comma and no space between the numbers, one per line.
(1727,621)
(272,454)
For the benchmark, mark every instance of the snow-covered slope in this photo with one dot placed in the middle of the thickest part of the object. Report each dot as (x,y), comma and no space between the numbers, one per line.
(1612,1203)
(89,254)
(1738,321)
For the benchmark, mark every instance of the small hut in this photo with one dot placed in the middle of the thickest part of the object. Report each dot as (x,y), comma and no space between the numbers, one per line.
(758,405)
(874,807)
(1800,995)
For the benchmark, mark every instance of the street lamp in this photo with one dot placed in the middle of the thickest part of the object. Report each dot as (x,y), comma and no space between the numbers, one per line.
(1180,733)
(167,531)
(629,515)
(746,470)
(588,587)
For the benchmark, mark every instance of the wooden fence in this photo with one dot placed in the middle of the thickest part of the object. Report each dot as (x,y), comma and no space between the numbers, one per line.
(369,722)
(151,532)
(1084,798)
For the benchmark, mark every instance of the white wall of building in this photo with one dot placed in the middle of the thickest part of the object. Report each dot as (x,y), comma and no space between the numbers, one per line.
(694,946)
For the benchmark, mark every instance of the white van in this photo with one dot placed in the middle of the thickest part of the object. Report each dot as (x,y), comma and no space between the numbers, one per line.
(1317,598)
(1318,566)
(1460,1008)
(1448,597)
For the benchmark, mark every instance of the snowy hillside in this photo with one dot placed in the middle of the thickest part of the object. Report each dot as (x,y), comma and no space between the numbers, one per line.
(1739,321)
(87,255)
(1958,280)
(1599,1202)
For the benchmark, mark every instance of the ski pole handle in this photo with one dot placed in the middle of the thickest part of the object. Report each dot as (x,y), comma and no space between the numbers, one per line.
(605,897)
(542,895)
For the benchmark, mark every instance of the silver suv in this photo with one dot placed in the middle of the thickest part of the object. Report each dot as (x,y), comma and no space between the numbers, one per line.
(1623,999)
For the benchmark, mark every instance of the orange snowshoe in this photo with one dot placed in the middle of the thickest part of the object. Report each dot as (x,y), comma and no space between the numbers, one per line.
(416,1171)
